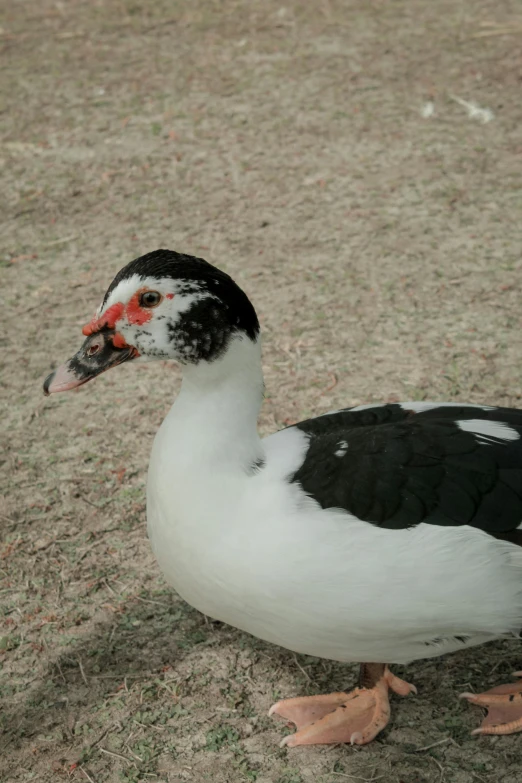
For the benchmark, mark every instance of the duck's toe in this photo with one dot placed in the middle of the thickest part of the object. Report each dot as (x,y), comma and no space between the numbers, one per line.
(303,710)
(355,717)
(504,708)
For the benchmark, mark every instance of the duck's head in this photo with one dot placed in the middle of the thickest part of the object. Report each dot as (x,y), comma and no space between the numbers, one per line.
(163,305)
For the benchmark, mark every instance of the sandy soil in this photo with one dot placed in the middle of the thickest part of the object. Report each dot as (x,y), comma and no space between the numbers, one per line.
(288,143)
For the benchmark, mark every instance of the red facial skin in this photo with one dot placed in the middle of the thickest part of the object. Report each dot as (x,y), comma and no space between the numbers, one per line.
(109,318)
(136,314)
(119,341)
(132,311)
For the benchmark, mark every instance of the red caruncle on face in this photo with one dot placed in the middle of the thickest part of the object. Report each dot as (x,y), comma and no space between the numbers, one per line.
(132,311)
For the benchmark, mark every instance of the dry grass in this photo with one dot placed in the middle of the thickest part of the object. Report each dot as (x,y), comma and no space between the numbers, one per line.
(383,252)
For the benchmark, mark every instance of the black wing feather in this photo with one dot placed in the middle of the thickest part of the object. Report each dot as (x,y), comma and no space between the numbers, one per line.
(396,468)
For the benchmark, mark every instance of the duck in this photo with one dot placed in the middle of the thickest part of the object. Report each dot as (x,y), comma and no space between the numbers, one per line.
(379,534)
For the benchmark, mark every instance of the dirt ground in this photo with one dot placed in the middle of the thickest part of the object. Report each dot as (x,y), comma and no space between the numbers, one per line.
(324,154)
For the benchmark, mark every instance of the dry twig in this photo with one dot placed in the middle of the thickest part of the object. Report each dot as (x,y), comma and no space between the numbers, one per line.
(86,774)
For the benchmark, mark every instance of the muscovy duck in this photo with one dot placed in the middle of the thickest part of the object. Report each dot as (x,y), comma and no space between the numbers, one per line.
(378,534)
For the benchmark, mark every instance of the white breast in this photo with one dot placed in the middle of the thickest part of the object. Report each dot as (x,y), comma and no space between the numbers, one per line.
(254,552)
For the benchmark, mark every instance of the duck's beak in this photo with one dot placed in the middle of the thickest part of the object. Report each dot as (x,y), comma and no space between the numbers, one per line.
(100,351)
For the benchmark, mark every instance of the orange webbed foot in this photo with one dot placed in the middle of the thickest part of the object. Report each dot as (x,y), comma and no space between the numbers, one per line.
(355,717)
(503,705)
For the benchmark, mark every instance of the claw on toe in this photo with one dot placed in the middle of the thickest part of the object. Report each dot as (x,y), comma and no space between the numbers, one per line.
(356,738)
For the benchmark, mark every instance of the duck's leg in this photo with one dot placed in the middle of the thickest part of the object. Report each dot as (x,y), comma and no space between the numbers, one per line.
(504,708)
(348,716)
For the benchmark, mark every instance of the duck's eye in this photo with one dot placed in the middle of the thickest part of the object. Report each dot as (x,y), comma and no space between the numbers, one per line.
(150,299)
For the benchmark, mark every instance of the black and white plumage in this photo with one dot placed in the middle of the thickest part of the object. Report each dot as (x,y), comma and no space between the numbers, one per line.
(398,465)
(383,533)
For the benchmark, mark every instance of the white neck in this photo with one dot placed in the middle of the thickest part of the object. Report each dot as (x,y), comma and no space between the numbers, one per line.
(214,417)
